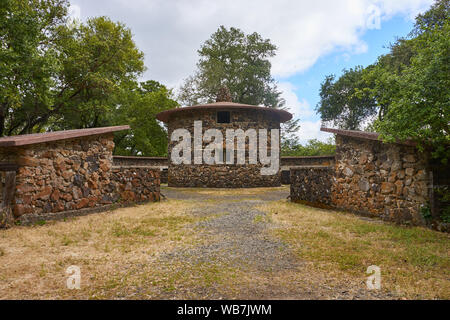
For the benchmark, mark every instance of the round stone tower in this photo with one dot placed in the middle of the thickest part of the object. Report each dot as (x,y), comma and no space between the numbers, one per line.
(234,135)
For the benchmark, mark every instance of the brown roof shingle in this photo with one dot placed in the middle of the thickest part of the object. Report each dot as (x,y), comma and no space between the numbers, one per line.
(284,115)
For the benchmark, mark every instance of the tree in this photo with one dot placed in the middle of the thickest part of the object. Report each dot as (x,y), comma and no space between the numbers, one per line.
(57,75)
(419,106)
(96,60)
(358,97)
(347,102)
(240,62)
(235,60)
(313,147)
(138,106)
(408,88)
(28,59)
(434,18)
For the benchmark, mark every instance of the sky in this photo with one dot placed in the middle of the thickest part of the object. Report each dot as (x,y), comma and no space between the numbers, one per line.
(314,38)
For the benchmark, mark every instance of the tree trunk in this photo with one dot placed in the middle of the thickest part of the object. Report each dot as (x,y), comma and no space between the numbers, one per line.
(2,119)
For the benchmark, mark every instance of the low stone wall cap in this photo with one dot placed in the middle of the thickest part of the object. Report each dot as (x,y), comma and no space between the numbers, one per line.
(362,135)
(310,167)
(308,157)
(34,138)
(140,158)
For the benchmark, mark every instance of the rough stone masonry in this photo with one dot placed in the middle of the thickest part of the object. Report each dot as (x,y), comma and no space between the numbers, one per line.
(238,116)
(73,171)
(393,181)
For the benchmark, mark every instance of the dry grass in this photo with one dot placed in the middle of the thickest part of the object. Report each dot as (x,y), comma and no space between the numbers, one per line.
(414,262)
(106,246)
(121,255)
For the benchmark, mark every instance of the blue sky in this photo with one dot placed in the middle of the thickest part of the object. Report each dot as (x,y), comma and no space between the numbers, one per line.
(314,38)
(307,84)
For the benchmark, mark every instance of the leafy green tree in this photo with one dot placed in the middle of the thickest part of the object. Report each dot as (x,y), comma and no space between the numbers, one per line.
(380,77)
(434,18)
(360,95)
(313,147)
(56,74)
(138,106)
(347,102)
(407,88)
(419,105)
(28,59)
(96,60)
(240,62)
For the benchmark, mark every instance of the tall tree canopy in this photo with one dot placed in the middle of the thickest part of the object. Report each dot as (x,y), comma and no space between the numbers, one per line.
(404,95)
(240,62)
(28,59)
(347,102)
(138,106)
(57,74)
(419,96)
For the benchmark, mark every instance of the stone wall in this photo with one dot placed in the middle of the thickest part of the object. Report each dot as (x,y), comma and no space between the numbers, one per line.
(440,201)
(135,184)
(391,181)
(232,176)
(307,161)
(64,175)
(144,162)
(312,185)
(286,176)
(285,163)
(288,162)
(221,176)
(140,161)
(74,174)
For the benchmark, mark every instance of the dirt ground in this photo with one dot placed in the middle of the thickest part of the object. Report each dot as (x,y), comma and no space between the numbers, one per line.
(223,244)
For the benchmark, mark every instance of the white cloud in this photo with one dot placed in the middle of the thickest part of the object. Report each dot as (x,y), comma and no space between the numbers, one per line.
(171,32)
(299,108)
(311,130)
(74,12)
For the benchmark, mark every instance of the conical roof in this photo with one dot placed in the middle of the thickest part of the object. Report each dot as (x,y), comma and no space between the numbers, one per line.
(282,114)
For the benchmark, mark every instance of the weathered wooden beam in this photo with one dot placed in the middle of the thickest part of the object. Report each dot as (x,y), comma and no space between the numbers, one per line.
(6,214)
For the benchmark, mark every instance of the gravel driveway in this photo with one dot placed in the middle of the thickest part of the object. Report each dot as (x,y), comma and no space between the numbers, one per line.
(236,235)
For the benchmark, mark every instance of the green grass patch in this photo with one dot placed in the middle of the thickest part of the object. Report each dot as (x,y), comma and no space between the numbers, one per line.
(406,255)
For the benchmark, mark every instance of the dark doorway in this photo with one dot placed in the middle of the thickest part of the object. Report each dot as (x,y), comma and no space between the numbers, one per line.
(223,117)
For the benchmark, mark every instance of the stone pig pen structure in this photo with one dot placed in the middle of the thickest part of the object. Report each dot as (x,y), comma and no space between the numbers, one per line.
(236,116)
(71,172)
(285,162)
(388,180)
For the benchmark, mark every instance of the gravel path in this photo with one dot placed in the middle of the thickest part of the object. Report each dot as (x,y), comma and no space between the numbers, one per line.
(235,233)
